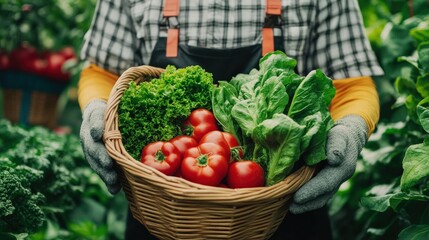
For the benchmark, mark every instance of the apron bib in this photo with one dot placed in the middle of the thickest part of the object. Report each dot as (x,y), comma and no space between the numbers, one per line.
(222,63)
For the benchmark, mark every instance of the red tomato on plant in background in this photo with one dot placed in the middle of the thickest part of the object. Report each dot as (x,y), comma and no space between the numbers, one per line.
(68,52)
(183,143)
(226,140)
(36,66)
(245,174)
(5,63)
(21,56)
(54,69)
(205,164)
(163,156)
(200,122)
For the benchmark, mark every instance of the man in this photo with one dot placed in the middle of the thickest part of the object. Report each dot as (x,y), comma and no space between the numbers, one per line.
(227,38)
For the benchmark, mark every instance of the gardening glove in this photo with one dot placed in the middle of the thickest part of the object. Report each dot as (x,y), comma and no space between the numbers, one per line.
(344,143)
(91,134)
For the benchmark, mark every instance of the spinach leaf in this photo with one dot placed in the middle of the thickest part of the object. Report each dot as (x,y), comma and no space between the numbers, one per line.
(415,232)
(313,96)
(415,164)
(280,115)
(281,135)
(224,98)
(259,101)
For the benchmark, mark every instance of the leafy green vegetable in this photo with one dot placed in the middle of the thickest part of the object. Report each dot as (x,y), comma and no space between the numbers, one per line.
(416,165)
(281,136)
(313,97)
(38,176)
(20,208)
(415,232)
(155,110)
(277,115)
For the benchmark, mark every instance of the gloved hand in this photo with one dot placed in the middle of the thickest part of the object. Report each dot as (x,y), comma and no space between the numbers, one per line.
(344,143)
(91,133)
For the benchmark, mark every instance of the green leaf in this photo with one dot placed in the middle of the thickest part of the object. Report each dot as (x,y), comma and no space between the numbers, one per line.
(390,200)
(423,113)
(422,85)
(414,232)
(281,135)
(423,52)
(405,86)
(276,59)
(416,166)
(11,236)
(244,112)
(411,103)
(378,203)
(412,60)
(420,34)
(314,95)
(224,98)
(271,99)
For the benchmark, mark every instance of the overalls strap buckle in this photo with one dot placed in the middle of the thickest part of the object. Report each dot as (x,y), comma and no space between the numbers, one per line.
(170,13)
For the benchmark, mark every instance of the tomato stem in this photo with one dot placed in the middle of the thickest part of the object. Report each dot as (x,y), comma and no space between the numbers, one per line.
(159,156)
(203,160)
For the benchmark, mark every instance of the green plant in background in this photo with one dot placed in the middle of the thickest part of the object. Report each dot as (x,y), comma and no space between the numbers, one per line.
(388,197)
(47,190)
(43,38)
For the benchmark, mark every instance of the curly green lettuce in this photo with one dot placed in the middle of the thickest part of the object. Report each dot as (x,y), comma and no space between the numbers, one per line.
(155,110)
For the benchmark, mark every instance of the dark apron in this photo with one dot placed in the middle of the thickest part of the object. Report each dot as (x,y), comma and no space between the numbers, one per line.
(225,64)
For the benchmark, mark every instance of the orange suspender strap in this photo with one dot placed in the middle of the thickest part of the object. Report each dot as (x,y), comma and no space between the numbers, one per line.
(273,7)
(171,9)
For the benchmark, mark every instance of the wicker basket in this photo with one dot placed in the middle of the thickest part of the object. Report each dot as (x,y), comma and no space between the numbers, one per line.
(29,99)
(174,208)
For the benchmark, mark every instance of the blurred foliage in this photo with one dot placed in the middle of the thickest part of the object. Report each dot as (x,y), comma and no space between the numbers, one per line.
(380,201)
(44,24)
(76,204)
(49,25)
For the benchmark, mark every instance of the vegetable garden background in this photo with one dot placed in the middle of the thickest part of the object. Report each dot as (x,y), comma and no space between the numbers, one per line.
(59,196)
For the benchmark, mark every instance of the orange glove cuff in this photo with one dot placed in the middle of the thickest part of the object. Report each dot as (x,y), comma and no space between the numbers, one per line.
(358,96)
(94,83)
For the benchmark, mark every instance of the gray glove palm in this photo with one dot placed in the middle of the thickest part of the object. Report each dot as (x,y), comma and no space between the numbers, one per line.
(91,134)
(344,143)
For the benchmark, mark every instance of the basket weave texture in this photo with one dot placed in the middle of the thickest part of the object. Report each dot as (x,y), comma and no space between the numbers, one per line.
(29,99)
(174,208)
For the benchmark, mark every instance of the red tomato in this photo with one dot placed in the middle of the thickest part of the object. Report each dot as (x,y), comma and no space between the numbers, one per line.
(205,164)
(21,56)
(226,140)
(200,122)
(183,143)
(163,156)
(67,52)
(245,174)
(4,61)
(37,66)
(210,148)
(54,68)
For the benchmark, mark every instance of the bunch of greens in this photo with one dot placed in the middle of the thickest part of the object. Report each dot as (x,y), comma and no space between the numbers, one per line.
(410,188)
(48,191)
(276,114)
(388,197)
(155,110)
(37,176)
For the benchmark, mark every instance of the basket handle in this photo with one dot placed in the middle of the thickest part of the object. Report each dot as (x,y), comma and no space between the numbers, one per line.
(111,131)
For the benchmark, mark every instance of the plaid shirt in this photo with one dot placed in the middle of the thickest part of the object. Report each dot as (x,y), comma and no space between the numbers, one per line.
(325,34)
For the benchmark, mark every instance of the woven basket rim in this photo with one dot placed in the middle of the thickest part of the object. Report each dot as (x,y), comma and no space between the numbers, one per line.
(176,187)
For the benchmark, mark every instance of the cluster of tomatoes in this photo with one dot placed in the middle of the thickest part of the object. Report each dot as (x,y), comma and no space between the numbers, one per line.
(49,64)
(207,156)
